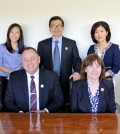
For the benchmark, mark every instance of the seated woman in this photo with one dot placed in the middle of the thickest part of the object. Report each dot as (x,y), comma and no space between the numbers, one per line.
(93,93)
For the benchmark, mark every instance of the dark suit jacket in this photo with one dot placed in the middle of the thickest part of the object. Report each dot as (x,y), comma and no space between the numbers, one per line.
(111,58)
(50,95)
(69,60)
(80,102)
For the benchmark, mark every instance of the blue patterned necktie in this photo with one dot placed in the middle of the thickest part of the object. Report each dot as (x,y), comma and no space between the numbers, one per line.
(33,95)
(56,59)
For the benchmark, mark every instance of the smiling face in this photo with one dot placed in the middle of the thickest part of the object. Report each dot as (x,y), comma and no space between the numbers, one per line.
(56,28)
(93,71)
(14,34)
(30,61)
(100,34)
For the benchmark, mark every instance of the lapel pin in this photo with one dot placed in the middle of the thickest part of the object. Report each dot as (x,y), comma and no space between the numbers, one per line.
(42,86)
(66,48)
(102,89)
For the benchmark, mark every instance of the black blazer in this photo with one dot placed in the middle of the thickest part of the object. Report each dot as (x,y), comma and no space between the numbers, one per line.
(111,58)
(70,59)
(80,102)
(50,94)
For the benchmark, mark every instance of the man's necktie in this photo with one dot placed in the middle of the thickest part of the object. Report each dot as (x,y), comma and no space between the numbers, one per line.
(56,59)
(33,95)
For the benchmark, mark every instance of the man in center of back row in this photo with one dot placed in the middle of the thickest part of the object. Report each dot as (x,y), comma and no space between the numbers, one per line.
(61,55)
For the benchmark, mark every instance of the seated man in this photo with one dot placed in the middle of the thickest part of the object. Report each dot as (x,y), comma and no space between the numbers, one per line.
(33,89)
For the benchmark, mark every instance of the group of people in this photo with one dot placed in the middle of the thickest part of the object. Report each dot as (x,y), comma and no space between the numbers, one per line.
(40,80)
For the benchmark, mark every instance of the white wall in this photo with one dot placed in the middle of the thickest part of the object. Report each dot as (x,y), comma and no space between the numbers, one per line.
(79,15)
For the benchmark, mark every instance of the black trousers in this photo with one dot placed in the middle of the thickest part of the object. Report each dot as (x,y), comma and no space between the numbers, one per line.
(66,93)
(3,87)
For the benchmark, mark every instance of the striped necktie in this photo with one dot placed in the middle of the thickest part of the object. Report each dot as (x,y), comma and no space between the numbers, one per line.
(33,95)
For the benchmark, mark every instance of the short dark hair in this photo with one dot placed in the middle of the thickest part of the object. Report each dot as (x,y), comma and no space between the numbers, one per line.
(106,27)
(29,48)
(89,61)
(56,18)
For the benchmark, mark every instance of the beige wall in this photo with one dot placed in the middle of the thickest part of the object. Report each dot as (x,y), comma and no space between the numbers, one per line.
(79,15)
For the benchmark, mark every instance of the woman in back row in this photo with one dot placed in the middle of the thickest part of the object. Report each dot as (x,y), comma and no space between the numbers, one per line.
(108,51)
(10,55)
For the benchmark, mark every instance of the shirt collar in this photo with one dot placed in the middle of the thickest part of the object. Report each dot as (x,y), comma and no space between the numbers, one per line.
(37,73)
(60,39)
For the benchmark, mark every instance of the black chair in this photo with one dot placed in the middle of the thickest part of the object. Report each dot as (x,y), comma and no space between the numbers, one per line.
(1,94)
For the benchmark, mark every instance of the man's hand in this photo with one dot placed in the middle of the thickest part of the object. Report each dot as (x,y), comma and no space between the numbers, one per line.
(75,76)
(107,74)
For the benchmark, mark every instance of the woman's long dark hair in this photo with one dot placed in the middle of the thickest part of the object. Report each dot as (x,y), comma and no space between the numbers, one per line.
(20,41)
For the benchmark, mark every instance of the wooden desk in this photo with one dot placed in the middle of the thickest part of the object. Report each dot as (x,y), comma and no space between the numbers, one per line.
(19,123)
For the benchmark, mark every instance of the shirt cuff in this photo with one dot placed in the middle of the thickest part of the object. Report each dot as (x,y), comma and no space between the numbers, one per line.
(111,73)
(46,110)
(20,112)
(76,73)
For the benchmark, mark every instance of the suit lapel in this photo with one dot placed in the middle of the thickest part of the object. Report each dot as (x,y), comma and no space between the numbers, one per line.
(25,87)
(85,94)
(41,88)
(63,52)
(49,51)
(101,95)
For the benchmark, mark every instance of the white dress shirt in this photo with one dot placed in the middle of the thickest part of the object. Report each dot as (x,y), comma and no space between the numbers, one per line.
(36,79)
